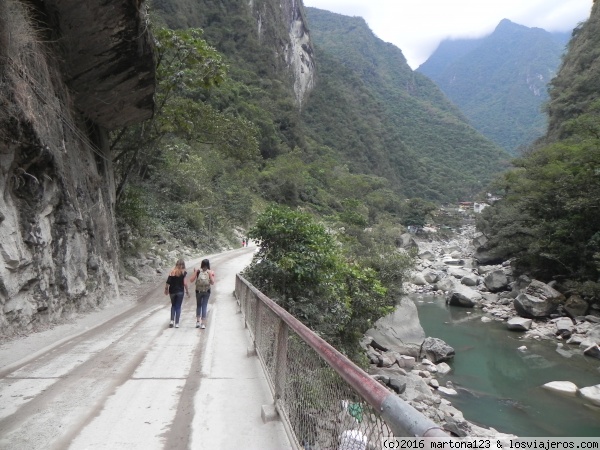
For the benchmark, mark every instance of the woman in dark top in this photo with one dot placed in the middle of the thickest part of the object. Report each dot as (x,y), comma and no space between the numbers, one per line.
(175,287)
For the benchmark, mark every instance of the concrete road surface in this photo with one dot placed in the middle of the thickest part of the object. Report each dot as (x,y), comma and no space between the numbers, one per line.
(131,382)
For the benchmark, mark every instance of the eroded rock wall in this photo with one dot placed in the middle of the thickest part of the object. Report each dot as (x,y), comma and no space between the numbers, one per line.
(280,25)
(58,246)
(293,44)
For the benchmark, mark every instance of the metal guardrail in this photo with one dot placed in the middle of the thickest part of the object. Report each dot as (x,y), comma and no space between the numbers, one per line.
(324,400)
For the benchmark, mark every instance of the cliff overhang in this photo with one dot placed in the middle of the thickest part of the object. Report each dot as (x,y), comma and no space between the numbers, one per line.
(107,58)
(70,71)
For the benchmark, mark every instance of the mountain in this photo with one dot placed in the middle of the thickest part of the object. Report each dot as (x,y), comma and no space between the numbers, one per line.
(386,119)
(500,81)
(547,219)
(363,105)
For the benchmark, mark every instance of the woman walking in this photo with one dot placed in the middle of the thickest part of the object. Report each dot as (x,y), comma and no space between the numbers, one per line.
(175,286)
(204,279)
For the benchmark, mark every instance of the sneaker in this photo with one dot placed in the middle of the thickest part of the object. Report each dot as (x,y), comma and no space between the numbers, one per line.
(176,325)
(203,326)
(171,324)
(197,324)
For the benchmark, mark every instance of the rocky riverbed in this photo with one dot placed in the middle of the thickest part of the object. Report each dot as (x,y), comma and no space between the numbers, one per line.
(414,365)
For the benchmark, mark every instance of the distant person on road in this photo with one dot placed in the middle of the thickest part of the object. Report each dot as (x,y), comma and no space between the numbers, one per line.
(243,242)
(175,287)
(204,279)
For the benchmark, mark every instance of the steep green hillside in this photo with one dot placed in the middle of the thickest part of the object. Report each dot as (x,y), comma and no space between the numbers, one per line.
(371,107)
(259,86)
(577,85)
(548,217)
(368,110)
(500,81)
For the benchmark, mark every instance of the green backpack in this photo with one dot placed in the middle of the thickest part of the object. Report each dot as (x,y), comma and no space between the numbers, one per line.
(203,281)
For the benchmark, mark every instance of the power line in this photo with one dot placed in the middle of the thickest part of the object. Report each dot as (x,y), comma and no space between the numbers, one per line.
(37,88)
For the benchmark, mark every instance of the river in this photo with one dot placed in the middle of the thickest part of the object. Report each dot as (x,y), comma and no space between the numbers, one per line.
(500,386)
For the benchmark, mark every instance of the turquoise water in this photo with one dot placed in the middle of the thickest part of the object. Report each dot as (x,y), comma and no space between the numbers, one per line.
(499,386)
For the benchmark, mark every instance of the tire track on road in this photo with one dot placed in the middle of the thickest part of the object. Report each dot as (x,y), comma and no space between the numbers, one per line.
(66,394)
(77,395)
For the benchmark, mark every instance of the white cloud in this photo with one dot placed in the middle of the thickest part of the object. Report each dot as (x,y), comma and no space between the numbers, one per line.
(417,26)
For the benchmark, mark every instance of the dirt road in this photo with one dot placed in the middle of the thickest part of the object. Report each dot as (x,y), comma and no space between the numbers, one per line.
(129,382)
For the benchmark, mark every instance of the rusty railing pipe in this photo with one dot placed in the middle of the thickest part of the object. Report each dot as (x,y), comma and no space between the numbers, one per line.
(402,418)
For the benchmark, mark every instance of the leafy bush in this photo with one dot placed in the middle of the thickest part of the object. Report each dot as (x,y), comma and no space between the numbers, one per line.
(300,265)
(132,209)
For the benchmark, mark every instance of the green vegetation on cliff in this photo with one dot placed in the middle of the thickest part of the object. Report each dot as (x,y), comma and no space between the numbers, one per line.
(368,111)
(548,217)
(385,119)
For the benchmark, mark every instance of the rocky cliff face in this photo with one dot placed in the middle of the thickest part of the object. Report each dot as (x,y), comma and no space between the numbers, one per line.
(294,47)
(58,249)
(280,26)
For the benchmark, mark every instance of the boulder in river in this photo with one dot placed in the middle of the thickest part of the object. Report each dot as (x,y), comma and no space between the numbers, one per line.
(428,255)
(431,276)
(463,296)
(470,280)
(400,331)
(564,327)
(534,307)
(576,306)
(496,281)
(592,351)
(436,350)
(418,279)
(562,387)
(446,284)
(459,272)
(479,240)
(591,393)
(407,241)
(545,292)
(519,324)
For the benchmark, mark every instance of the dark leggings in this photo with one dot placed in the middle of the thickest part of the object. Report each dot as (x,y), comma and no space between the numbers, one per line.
(202,303)
(176,302)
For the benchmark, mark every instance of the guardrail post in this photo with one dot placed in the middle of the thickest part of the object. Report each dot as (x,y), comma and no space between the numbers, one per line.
(398,416)
(257,319)
(281,361)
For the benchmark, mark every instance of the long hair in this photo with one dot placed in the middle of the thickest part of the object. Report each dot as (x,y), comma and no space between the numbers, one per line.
(179,268)
(205,264)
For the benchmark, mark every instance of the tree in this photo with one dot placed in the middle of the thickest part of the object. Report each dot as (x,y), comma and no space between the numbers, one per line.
(189,156)
(417,211)
(299,264)
(186,66)
(548,218)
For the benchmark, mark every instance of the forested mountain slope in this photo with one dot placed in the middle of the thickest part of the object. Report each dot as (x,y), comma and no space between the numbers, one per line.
(500,81)
(577,85)
(547,219)
(367,109)
(370,106)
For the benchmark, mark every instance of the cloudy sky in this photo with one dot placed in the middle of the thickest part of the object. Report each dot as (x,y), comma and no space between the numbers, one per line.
(417,26)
